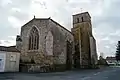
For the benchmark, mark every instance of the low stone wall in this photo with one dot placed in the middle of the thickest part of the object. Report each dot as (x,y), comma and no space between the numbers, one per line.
(35,68)
(39,68)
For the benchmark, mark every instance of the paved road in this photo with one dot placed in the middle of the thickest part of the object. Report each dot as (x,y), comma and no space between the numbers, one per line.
(101,74)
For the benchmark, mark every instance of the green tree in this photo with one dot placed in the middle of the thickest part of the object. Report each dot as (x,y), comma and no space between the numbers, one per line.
(118,51)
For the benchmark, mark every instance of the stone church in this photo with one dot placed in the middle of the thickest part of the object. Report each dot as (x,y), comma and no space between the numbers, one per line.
(44,42)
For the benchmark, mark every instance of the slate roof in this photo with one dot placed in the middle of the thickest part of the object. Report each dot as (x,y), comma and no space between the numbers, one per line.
(9,49)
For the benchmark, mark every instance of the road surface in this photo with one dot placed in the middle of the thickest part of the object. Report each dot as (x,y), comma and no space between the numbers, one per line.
(112,73)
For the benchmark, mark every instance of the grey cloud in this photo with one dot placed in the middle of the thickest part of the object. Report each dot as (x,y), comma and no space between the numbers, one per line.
(20,15)
(12,37)
(6,28)
(110,15)
(107,25)
(7,42)
(23,4)
(7,31)
(113,9)
(108,51)
(0,42)
(41,3)
(111,20)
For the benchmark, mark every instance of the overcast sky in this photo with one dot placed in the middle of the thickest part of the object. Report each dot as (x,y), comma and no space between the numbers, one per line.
(105,18)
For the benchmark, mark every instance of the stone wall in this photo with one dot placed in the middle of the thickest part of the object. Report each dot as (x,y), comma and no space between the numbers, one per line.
(93,50)
(41,26)
(61,36)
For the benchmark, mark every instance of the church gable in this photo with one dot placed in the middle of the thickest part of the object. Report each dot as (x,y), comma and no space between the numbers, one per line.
(38,22)
(25,25)
(45,37)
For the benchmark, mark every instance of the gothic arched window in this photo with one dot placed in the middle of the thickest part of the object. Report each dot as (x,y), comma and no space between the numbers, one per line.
(33,39)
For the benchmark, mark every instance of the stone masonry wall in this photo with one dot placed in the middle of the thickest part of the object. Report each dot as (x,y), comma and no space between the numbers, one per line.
(60,37)
(41,26)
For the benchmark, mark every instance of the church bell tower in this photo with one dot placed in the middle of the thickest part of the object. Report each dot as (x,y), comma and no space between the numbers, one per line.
(82,30)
